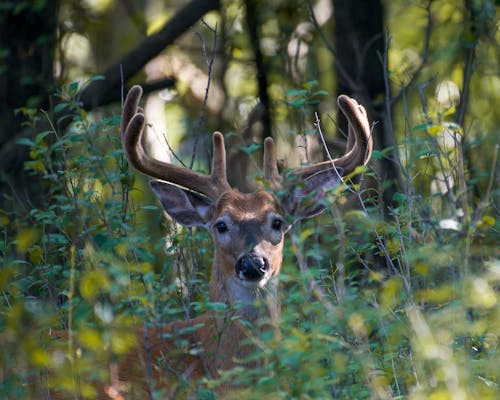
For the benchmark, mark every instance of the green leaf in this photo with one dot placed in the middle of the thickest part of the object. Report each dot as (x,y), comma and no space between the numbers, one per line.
(309,85)
(252,148)
(399,197)
(313,102)
(73,88)
(376,154)
(43,135)
(420,127)
(296,92)
(26,142)
(320,93)
(298,103)
(59,107)
(97,78)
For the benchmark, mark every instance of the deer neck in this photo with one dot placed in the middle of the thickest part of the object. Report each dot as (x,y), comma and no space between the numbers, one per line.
(251,303)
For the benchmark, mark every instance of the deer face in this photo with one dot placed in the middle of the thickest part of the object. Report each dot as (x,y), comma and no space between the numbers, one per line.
(248,234)
(247,230)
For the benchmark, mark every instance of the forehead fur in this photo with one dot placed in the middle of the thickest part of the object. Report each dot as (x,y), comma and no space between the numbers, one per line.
(246,205)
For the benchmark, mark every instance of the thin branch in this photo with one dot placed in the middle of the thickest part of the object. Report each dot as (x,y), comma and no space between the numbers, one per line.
(209,61)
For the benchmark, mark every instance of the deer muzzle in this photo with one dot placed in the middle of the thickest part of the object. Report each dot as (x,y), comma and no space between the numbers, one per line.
(251,267)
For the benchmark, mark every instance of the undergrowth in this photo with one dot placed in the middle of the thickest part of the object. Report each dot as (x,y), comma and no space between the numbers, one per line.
(397,303)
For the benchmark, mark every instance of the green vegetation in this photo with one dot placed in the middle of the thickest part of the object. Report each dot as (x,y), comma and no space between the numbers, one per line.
(378,300)
(373,306)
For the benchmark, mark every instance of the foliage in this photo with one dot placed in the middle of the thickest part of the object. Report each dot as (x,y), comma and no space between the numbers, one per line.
(376,303)
(425,327)
(85,263)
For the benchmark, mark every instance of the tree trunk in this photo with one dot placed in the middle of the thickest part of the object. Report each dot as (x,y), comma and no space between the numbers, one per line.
(28,42)
(359,62)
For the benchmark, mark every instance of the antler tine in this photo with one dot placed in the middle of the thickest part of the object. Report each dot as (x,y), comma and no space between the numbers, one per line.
(359,143)
(130,107)
(271,173)
(218,177)
(132,128)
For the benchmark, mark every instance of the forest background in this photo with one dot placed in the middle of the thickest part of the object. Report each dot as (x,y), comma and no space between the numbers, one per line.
(394,293)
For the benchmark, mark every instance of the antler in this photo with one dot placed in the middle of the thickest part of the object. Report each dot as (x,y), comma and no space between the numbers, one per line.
(358,151)
(132,127)
(359,148)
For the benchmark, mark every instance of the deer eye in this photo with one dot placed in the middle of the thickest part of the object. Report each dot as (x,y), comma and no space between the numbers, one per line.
(277,224)
(221,227)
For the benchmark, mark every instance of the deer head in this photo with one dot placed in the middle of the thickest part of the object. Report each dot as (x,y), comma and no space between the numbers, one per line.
(247,228)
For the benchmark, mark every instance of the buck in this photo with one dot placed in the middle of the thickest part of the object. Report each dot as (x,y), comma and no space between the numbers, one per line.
(247,230)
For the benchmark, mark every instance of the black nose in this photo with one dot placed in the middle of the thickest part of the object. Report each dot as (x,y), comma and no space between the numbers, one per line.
(251,267)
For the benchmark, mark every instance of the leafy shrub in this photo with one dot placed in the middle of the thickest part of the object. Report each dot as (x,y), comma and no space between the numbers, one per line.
(375,304)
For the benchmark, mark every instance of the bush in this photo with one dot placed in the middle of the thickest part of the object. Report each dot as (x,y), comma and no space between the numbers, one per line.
(399,303)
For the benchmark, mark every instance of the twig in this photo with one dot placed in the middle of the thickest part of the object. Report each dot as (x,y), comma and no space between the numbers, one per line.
(315,288)
(360,199)
(209,62)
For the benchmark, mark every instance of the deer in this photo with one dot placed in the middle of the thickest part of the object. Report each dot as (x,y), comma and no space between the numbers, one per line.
(247,230)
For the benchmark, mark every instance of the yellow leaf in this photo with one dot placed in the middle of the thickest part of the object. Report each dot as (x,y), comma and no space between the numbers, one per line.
(358,214)
(122,342)
(358,325)
(434,130)
(422,269)
(393,246)
(439,295)
(40,357)
(121,249)
(93,283)
(4,220)
(90,338)
(306,233)
(37,165)
(440,394)
(376,276)
(35,254)
(390,294)
(25,239)
(481,294)
(487,220)
(450,111)
(141,267)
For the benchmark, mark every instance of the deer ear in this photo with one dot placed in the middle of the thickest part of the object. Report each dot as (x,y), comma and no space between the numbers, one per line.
(306,199)
(185,207)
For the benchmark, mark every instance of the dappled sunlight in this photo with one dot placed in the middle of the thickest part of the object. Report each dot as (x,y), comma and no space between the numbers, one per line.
(392,292)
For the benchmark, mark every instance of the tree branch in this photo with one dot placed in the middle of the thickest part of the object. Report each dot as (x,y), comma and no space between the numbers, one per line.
(100,92)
